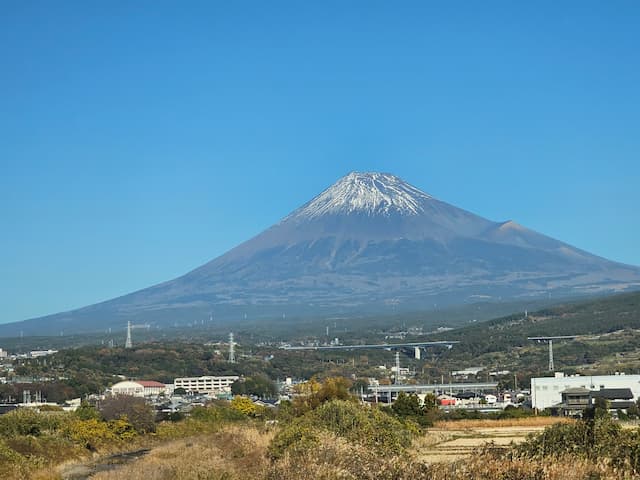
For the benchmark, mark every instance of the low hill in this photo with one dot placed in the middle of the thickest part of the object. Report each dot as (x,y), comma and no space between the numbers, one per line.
(607,330)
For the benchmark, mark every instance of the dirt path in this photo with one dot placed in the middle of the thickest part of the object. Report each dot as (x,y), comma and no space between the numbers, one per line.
(84,471)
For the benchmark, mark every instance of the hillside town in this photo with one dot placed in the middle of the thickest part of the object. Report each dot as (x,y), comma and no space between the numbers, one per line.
(557,394)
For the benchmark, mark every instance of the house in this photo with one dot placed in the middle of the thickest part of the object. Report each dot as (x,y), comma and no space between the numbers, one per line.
(576,400)
(617,398)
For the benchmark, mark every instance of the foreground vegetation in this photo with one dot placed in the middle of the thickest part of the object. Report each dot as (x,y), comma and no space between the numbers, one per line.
(241,452)
(324,433)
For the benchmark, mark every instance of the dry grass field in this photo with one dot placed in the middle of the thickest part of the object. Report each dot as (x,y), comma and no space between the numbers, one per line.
(450,441)
(464,449)
(508,422)
(234,453)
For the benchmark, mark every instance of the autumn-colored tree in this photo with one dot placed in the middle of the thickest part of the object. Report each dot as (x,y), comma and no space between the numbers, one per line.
(90,433)
(244,405)
(134,409)
(313,394)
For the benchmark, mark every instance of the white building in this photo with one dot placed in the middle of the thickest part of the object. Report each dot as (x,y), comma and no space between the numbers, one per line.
(206,384)
(128,388)
(41,353)
(3,353)
(464,374)
(545,391)
(140,388)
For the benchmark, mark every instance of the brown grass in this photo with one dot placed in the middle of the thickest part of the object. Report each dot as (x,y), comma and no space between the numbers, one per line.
(234,453)
(239,453)
(484,464)
(507,422)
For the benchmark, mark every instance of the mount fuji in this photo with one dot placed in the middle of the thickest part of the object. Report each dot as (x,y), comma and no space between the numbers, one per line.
(369,242)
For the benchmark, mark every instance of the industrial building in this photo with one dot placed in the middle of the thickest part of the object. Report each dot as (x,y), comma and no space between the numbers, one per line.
(206,384)
(547,392)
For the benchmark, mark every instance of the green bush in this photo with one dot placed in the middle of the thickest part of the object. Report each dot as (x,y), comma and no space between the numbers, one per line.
(408,408)
(597,439)
(365,426)
(589,439)
(25,421)
(217,414)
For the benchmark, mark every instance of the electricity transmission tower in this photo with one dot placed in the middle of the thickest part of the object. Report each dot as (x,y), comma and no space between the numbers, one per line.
(232,349)
(550,340)
(127,343)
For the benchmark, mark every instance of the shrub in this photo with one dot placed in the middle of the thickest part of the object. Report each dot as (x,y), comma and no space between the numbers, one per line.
(87,412)
(25,421)
(408,408)
(356,424)
(589,439)
(314,394)
(217,413)
(91,434)
(245,406)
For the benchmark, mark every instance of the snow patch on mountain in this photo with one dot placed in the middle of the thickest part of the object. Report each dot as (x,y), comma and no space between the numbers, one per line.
(366,193)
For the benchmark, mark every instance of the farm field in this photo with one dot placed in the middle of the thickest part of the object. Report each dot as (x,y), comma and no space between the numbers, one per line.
(450,441)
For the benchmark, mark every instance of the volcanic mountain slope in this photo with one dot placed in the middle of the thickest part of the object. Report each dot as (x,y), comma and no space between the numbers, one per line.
(370,240)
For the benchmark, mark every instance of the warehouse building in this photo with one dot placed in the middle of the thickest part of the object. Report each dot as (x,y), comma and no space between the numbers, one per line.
(546,392)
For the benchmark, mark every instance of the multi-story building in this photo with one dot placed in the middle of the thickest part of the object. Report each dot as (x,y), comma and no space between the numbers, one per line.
(206,384)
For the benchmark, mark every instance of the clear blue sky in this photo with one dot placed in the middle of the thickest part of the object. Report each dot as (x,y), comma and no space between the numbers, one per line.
(139,140)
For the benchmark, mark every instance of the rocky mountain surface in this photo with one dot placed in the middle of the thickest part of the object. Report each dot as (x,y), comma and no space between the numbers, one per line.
(369,242)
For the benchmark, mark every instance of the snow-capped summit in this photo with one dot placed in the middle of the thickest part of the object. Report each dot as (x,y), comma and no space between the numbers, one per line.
(369,243)
(368,193)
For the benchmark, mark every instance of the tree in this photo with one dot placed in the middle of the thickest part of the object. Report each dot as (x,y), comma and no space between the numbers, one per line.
(244,405)
(408,407)
(258,385)
(314,394)
(134,409)
(87,412)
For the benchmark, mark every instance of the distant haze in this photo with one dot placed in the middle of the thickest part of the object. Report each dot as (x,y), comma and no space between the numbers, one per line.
(371,240)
